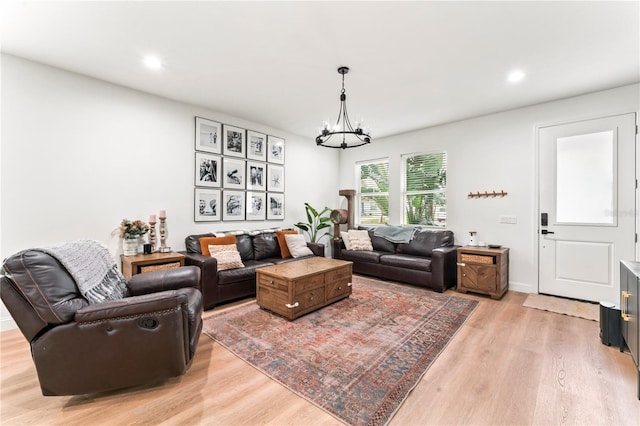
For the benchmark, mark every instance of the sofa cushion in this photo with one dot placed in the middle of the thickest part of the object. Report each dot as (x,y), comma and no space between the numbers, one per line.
(378,243)
(359,240)
(425,240)
(284,249)
(407,261)
(265,245)
(361,255)
(297,245)
(227,256)
(192,242)
(245,246)
(205,242)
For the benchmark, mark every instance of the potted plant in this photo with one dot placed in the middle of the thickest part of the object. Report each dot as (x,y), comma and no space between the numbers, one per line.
(317,221)
(131,231)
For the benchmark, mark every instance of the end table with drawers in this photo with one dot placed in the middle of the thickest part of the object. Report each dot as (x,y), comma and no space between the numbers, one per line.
(141,263)
(483,270)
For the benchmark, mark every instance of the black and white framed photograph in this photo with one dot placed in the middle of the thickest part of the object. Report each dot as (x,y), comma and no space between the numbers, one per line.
(233,205)
(275,178)
(275,150)
(234,141)
(275,206)
(256,176)
(207,170)
(256,205)
(207,205)
(233,173)
(256,146)
(208,136)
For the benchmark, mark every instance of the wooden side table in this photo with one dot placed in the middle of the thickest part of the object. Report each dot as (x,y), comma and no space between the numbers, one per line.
(483,270)
(132,265)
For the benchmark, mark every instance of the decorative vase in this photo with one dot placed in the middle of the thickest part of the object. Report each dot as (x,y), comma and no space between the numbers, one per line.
(130,246)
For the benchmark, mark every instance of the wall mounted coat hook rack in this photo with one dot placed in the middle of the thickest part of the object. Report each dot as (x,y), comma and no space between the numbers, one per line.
(487,194)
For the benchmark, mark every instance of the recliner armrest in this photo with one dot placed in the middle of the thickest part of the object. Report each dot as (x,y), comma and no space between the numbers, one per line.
(135,306)
(168,279)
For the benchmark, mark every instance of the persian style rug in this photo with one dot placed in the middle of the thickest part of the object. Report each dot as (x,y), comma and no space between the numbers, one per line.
(358,358)
(560,305)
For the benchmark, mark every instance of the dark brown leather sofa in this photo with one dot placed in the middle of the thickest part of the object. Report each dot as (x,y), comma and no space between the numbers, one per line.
(80,348)
(428,260)
(257,249)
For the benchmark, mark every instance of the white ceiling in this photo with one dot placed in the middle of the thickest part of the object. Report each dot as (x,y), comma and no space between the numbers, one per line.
(413,64)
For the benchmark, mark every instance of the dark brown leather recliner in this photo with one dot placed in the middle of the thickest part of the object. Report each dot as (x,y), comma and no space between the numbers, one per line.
(78,348)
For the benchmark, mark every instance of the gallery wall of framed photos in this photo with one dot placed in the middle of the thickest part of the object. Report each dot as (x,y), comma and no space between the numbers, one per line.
(239,173)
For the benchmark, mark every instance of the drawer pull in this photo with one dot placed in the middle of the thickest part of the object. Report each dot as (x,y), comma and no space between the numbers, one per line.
(271,282)
(625,306)
(290,306)
(349,285)
(461,264)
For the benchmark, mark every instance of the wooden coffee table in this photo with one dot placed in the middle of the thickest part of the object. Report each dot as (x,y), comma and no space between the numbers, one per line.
(293,289)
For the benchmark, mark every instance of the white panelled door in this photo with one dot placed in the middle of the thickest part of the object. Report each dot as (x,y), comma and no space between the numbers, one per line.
(587,187)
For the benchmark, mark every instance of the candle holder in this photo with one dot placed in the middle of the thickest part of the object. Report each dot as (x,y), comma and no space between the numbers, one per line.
(152,236)
(163,234)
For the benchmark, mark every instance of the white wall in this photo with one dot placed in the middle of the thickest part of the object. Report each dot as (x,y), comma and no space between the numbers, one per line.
(493,152)
(79,155)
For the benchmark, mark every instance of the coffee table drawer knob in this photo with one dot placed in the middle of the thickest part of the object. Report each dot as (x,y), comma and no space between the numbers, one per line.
(349,284)
(290,306)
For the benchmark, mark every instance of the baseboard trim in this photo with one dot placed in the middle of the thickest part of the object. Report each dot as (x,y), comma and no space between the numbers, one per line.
(522,287)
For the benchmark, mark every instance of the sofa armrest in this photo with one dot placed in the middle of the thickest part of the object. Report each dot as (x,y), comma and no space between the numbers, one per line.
(337,247)
(316,248)
(169,279)
(208,275)
(443,268)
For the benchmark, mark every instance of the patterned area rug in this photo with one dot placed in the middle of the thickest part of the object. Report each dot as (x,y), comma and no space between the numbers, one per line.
(560,305)
(358,358)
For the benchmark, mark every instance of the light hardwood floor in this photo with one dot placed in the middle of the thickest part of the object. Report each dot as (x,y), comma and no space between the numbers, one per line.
(507,365)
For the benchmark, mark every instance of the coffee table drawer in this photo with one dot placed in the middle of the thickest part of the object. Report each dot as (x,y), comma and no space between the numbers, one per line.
(338,289)
(307,283)
(338,274)
(310,300)
(273,282)
(276,300)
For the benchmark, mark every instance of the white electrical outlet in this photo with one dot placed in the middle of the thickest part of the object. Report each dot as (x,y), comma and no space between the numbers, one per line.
(508,219)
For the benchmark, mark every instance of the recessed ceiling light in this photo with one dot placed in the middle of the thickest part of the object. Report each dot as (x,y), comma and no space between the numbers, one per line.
(153,62)
(515,76)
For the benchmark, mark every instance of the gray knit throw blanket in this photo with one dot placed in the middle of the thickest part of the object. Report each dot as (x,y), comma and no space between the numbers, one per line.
(92,267)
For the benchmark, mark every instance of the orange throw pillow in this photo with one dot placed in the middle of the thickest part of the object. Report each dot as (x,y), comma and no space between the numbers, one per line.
(284,249)
(215,241)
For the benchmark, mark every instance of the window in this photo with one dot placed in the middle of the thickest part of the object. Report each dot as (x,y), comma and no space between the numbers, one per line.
(424,185)
(373,200)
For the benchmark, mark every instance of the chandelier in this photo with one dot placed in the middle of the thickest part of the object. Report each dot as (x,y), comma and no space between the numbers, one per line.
(343,134)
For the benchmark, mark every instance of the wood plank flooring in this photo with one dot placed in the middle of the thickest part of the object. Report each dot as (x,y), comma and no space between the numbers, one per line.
(507,365)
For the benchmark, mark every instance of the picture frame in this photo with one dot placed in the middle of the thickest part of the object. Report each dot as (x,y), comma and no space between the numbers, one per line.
(256,146)
(275,206)
(208,136)
(234,141)
(256,205)
(275,150)
(233,173)
(256,176)
(233,205)
(207,170)
(207,205)
(275,178)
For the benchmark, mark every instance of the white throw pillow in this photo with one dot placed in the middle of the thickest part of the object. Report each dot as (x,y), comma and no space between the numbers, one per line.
(359,240)
(227,256)
(297,245)
(345,239)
